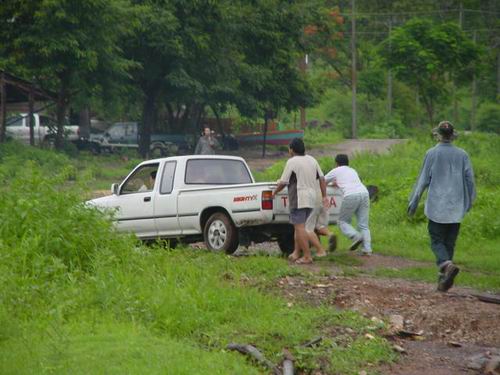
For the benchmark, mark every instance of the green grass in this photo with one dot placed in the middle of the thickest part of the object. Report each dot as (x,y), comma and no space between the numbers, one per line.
(77,297)
(393,233)
(321,137)
(479,280)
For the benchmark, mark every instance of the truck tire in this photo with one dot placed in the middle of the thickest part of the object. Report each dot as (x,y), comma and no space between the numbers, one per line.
(157,151)
(286,244)
(220,233)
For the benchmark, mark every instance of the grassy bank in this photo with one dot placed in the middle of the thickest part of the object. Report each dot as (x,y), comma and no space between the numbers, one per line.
(393,233)
(78,298)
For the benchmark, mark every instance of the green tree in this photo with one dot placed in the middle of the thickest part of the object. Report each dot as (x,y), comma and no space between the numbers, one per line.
(427,56)
(68,46)
(270,37)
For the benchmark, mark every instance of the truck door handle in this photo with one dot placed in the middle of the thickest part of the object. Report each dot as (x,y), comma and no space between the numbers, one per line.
(147,199)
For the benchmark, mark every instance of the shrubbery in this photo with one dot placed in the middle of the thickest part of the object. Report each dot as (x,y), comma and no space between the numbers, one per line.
(488,118)
(77,297)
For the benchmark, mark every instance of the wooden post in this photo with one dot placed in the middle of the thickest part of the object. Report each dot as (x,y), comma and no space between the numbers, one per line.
(84,122)
(30,116)
(3,105)
(266,118)
(353,68)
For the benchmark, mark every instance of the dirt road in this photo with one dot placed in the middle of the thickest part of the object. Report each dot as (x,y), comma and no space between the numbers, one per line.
(254,158)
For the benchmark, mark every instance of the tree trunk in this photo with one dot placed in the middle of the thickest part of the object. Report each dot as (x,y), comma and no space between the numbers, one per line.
(266,118)
(30,117)
(200,115)
(354,125)
(61,107)
(184,121)
(171,118)
(84,122)
(148,117)
(429,107)
(220,128)
(3,105)
(498,74)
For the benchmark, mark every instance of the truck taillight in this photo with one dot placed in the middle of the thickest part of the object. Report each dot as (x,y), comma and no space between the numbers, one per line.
(267,200)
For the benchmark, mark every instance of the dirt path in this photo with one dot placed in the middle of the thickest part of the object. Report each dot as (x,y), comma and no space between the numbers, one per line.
(457,333)
(253,155)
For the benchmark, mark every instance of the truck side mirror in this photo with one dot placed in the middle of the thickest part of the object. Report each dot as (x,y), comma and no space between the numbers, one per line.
(114,189)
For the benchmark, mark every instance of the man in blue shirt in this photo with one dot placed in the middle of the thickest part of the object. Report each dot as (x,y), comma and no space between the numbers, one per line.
(448,175)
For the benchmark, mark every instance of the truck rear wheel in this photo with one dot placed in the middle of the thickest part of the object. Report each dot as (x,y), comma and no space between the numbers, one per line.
(220,233)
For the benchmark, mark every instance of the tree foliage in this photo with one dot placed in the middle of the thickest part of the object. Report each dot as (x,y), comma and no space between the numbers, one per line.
(67,46)
(427,56)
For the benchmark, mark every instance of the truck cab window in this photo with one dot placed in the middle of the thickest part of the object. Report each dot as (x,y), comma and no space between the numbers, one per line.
(15,121)
(216,172)
(142,180)
(167,181)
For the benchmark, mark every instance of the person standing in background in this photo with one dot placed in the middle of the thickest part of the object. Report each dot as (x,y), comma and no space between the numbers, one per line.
(447,173)
(207,143)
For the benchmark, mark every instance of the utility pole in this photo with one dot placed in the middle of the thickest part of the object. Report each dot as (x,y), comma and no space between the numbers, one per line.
(3,105)
(461,15)
(353,51)
(389,79)
(454,88)
(303,68)
(474,93)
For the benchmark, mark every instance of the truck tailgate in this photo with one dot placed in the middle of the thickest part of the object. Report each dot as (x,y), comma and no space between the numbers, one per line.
(282,205)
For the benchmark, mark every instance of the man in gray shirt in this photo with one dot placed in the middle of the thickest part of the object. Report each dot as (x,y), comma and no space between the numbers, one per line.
(207,143)
(447,173)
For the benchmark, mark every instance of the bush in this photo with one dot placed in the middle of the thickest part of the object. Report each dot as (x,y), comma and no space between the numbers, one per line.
(488,117)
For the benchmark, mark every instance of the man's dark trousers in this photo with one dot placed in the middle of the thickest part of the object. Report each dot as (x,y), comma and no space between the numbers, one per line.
(443,238)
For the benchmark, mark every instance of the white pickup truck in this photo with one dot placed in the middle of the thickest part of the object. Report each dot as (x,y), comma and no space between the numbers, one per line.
(199,197)
(44,129)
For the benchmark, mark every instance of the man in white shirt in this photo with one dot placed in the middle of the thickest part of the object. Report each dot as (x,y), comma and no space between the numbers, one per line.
(302,174)
(356,201)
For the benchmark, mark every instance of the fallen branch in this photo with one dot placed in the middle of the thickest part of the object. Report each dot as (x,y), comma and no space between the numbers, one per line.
(253,352)
(313,342)
(490,298)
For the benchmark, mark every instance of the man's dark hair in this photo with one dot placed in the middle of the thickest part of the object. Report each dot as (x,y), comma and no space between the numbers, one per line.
(153,175)
(342,159)
(446,130)
(297,146)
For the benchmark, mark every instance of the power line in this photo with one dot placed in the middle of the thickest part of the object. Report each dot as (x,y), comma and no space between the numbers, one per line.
(386,32)
(361,14)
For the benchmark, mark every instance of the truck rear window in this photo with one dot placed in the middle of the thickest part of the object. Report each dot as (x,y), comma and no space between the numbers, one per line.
(216,172)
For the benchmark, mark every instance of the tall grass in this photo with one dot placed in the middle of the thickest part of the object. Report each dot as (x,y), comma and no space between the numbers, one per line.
(395,234)
(77,297)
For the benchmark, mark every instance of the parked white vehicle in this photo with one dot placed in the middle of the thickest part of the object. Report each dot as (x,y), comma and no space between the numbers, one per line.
(44,129)
(199,197)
